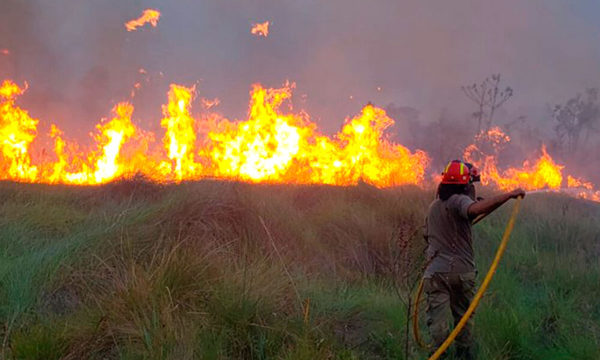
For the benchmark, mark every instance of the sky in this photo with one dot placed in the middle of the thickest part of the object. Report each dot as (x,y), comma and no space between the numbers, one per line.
(79,61)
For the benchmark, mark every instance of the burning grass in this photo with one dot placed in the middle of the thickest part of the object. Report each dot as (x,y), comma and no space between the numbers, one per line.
(217,270)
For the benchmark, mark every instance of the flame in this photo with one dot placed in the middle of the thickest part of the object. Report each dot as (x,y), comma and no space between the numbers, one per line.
(276,147)
(148,16)
(539,174)
(573,182)
(17,132)
(5,52)
(260,29)
(180,137)
(271,145)
(584,189)
(101,165)
(542,173)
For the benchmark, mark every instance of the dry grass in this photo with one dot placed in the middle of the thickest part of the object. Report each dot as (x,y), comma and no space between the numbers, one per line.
(217,270)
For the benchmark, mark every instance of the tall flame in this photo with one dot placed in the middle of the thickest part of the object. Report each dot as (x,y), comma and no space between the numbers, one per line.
(276,147)
(101,165)
(150,16)
(17,132)
(180,137)
(269,146)
(272,145)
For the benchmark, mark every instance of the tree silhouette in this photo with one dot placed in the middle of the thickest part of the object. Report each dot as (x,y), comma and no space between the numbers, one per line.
(489,97)
(579,114)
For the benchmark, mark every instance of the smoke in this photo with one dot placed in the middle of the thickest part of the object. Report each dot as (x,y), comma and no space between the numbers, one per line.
(79,60)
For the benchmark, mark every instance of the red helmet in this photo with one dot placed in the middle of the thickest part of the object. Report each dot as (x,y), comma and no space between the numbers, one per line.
(456,172)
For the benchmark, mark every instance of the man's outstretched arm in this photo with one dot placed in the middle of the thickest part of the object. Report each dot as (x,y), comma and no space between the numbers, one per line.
(488,205)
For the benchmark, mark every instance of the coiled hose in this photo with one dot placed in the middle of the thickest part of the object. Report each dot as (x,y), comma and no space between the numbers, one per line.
(476,298)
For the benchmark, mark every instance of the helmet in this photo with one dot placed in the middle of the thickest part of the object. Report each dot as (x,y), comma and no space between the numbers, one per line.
(458,172)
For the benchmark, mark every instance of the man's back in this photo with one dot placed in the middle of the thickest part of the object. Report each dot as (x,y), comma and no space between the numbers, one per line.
(448,234)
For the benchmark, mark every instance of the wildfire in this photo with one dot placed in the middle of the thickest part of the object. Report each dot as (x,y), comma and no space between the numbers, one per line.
(260,29)
(180,137)
(150,16)
(275,147)
(542,173)
(272,145)
(269,146)
(574,182)
(17,132)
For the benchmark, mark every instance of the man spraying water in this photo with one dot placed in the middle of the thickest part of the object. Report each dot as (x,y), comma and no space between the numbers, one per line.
(449,279)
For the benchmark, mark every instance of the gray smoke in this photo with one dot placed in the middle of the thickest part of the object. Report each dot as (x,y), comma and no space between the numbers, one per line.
(79,60)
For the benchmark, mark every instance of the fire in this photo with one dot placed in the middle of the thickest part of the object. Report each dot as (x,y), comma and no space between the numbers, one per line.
(150,16)
(276,147)
(17,132)
(101,165)
(260,29)
(584,189)
(575,182)
(271,145)
(542,173)
(5,52)
(180,137)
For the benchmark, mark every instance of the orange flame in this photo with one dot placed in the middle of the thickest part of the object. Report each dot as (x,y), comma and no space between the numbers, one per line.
(150,16)
(17,132)
(270,146)
(584,189)
(575,182)
(101,165)
(180,137)
(260,29)
(276,147)
(543,173)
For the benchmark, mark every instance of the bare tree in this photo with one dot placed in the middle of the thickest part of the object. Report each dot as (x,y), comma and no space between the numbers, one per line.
(488,96)
(579,114)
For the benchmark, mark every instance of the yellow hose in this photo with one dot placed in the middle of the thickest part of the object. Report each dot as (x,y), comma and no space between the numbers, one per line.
(415,323)
(478,295)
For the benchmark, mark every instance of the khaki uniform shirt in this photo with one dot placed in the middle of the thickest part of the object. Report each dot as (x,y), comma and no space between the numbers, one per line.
(448,236)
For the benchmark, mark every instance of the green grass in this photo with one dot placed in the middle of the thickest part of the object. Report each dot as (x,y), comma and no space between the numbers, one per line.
(218,270)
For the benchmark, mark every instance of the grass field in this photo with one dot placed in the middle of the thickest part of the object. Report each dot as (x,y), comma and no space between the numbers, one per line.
(216,270)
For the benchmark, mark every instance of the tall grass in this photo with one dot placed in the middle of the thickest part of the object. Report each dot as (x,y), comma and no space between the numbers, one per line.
(219,270)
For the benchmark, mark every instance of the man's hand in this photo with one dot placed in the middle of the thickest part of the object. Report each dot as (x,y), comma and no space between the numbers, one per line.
(517,193)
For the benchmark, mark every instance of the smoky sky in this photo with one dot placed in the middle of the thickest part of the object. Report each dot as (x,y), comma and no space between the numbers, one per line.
(79,60)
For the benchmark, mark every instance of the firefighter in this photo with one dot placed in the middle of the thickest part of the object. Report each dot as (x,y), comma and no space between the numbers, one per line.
(449,278)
